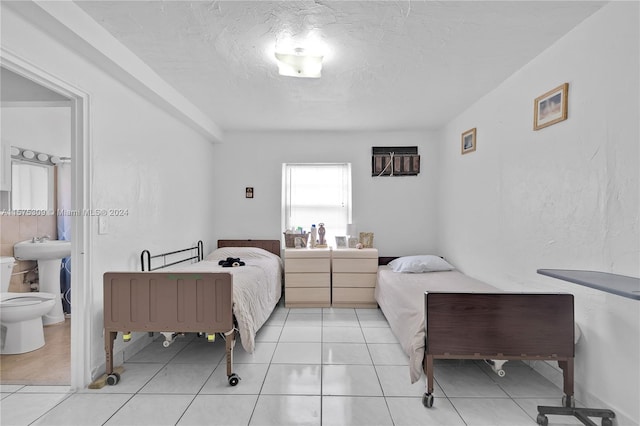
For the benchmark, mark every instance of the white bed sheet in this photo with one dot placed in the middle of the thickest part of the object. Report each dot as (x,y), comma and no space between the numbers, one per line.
(257,286)
(401,298)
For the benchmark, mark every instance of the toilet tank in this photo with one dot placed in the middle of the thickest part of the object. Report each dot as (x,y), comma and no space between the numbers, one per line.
(6,268)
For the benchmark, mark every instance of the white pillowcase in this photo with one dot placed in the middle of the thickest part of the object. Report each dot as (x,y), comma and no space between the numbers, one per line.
(419,264)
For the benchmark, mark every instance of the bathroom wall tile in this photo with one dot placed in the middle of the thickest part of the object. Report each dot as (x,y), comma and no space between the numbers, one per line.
(28,227)
(47,225)
(10,226)
(6,249)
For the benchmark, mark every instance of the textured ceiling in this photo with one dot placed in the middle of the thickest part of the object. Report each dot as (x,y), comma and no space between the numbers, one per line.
(390,64)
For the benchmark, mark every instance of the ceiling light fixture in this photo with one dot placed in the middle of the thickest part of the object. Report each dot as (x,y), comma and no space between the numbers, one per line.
(299,63)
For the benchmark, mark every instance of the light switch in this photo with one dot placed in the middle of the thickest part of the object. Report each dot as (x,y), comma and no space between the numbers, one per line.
(102,225)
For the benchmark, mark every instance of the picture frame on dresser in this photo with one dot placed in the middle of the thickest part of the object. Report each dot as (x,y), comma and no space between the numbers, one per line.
(366,239)
(341,242)
(353,242)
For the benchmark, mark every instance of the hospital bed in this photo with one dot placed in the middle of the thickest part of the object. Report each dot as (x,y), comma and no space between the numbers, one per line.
(448,315)
(195,294)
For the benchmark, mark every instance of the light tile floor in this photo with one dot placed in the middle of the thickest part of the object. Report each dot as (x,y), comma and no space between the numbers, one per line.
(310,367)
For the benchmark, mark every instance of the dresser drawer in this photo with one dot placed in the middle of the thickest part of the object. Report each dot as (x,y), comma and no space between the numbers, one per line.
(354,280)
(354,297)
(307,280)
(308,297)
(308,265)
(355,265)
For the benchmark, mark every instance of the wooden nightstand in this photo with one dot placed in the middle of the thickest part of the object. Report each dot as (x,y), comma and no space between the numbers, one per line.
(354,274)
(307,278)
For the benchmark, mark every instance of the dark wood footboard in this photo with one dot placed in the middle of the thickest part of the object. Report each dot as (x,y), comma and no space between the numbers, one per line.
(506,326)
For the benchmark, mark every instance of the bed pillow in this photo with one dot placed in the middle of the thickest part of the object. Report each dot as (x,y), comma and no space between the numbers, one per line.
(419,264)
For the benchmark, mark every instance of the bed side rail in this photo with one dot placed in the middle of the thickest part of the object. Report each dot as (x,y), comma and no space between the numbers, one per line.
(145,257)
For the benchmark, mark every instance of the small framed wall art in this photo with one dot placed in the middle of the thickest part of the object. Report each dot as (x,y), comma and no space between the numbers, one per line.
(551,107)
(468,141)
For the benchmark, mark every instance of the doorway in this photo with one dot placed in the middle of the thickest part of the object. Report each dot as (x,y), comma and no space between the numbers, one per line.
(80,327)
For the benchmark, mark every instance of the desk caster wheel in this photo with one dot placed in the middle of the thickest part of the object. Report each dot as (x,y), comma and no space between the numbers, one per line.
(113,379)
(427,400)
(234,379)
(542,420)
(606,421)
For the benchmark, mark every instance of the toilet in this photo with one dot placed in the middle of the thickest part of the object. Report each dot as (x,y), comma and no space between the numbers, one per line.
(21,315)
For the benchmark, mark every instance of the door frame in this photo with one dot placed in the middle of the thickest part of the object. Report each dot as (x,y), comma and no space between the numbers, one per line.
(81,224)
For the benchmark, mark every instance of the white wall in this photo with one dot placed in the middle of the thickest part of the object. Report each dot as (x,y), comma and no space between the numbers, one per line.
(564,197)
(143,160)
(42,129)
(400,211)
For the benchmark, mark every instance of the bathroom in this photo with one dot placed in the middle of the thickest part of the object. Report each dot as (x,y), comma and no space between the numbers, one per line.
(36,146)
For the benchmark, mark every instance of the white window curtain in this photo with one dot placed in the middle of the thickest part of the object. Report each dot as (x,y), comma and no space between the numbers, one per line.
(316,193)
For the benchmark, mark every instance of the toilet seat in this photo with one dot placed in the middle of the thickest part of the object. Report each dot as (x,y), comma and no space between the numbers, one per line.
(24,299)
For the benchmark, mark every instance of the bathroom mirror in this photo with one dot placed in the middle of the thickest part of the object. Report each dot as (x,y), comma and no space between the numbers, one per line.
(31,186)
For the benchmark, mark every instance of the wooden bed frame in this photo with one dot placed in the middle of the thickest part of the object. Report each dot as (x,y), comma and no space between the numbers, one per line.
(505,326)
(173,302)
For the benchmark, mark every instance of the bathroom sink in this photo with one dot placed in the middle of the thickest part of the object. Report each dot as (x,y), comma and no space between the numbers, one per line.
(42,250)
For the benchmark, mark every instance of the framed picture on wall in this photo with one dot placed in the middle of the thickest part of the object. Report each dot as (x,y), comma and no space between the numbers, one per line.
(551,107)
(468,141)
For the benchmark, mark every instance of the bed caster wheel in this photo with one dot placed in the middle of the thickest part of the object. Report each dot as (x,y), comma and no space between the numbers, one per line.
(427,400)
(234,379)
(568,401)
(606,421)
(501,373)
(113,379)
(542,420)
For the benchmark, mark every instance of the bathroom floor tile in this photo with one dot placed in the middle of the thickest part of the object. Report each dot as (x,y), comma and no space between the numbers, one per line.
(286,410)
(355,411)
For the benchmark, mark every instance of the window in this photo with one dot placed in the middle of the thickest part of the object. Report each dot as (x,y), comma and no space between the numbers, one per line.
(317,193)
